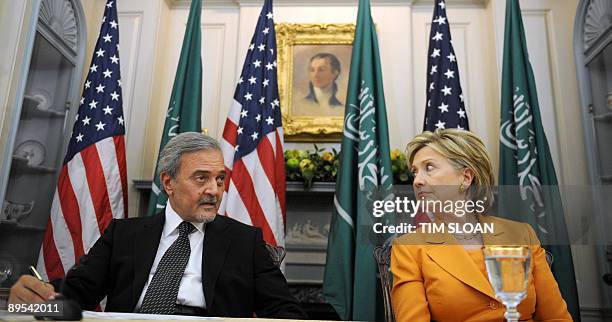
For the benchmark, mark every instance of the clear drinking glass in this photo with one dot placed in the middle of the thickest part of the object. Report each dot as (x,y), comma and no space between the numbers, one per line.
(508,270)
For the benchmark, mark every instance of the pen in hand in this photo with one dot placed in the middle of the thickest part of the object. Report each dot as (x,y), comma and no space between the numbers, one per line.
(36,274)
(64,309)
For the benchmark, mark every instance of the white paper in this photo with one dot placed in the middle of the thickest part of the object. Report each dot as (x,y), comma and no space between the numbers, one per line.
(140,316)
(6,316)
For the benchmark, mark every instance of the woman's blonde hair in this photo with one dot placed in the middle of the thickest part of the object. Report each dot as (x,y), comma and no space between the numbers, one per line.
(464,150)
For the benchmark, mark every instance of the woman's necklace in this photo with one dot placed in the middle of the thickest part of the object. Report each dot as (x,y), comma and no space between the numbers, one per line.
(466,237)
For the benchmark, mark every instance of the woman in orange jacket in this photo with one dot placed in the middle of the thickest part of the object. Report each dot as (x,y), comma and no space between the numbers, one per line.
(441,275)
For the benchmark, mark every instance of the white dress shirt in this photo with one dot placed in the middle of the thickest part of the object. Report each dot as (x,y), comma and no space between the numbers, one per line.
(323,96)
(190,290)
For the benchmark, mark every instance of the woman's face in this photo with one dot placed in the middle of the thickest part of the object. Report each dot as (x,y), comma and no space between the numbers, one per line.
(436,178)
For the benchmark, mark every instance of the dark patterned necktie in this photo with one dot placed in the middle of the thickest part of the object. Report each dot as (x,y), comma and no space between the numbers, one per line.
(160,297)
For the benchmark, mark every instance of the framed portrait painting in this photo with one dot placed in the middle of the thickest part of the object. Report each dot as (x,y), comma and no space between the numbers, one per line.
(313,68)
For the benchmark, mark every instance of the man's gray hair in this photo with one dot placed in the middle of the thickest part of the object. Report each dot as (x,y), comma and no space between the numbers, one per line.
(170,156)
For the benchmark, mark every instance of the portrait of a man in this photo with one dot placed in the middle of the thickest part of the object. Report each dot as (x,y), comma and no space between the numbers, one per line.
(320,79)
(323,70)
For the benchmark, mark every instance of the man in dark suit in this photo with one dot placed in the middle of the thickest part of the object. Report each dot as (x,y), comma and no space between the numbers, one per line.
(185,260)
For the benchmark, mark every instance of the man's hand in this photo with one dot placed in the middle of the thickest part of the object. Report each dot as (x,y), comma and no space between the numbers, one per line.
(29,289)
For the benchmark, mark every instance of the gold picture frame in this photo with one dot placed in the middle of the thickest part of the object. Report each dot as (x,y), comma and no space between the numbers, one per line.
(298,44)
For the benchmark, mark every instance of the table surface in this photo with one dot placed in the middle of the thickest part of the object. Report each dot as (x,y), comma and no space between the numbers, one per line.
(123,317)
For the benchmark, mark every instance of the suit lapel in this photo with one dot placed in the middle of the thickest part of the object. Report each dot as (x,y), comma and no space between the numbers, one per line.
(500,235)
(145,249)
(216,244)
(455,260)
(444,249)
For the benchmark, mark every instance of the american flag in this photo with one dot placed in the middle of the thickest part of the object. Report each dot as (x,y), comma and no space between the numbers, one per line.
(92,184)
(445,102)
(252,140)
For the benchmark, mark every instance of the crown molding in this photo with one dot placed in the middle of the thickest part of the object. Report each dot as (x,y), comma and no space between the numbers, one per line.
(452,3)
(184,4)
(59,16)
(597,22)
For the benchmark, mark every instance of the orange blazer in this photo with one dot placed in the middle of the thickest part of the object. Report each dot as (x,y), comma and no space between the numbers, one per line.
(435,279)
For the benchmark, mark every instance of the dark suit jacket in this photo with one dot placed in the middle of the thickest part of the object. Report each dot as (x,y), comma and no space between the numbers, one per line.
(239,277)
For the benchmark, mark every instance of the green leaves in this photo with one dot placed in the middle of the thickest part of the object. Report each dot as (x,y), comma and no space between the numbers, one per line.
(311,165)
(401,172)
(321,165)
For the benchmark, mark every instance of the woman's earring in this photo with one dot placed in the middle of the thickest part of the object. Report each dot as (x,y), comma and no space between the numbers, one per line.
(461,188)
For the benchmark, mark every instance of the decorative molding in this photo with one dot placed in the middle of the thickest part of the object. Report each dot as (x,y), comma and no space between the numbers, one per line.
(131,52)
(59,16)
(597,21)
(184,4)
(451,3)
(220,48)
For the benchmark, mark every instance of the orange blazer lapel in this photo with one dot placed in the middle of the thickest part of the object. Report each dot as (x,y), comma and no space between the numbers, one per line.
(444,249)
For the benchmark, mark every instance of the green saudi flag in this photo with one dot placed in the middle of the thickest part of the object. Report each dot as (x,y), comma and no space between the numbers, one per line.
(185,109)
(529,190)
(350,283)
